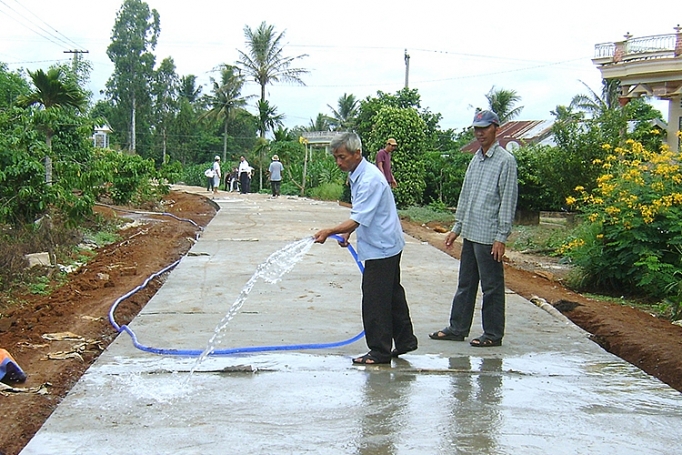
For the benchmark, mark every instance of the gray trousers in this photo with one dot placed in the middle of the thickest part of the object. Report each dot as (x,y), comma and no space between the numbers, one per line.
(477,265)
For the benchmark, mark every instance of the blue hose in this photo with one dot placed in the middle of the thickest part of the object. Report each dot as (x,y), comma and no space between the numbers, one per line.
(227,351)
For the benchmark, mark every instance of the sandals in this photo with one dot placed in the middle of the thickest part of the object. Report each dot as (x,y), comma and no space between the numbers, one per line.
(369,359)
(485,342)
(443,335)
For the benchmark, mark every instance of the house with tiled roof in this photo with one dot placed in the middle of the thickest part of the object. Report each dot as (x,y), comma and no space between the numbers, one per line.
(514,134)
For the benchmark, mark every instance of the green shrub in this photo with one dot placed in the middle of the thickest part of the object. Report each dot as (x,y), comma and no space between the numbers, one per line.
(289,189)
(632,235)
(426,214)
(327,192)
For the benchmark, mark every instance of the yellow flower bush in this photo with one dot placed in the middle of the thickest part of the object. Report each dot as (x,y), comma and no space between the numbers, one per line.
(632,233)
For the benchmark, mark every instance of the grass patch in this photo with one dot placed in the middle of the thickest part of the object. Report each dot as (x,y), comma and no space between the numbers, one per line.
(425,215)
(41,285)
(543,238)
(658,309)
(327,192)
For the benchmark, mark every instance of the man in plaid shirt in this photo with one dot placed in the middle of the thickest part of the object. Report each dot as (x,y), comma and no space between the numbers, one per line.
(484,216)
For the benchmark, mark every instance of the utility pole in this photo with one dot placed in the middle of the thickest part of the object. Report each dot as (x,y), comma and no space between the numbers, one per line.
(407,69)
(75,53)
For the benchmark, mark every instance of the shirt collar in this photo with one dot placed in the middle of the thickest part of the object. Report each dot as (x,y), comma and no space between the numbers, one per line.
(489,153)
(358,170)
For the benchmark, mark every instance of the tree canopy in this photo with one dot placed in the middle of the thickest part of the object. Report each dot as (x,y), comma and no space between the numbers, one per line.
(265,62)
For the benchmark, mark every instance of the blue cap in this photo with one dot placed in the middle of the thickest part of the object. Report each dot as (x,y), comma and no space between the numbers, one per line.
(485,118)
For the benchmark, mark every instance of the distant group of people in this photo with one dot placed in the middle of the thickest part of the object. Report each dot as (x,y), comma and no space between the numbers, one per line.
(240,177)
(483,219)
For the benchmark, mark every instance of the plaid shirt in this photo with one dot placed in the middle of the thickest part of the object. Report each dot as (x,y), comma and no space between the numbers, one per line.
(487,203)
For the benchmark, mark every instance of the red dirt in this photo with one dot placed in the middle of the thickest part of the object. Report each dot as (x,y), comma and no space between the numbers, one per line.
(81,306)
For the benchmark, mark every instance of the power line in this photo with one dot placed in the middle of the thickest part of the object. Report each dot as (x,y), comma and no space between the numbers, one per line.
(469,76)
(55,38)
(433,51)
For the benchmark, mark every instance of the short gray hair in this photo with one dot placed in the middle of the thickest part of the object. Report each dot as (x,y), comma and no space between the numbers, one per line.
(350,140)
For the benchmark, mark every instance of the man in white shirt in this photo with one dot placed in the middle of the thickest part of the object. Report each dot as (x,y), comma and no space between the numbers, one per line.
(216,174)
(244,175)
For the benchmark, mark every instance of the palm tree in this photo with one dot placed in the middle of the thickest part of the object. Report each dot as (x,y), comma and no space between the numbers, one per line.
(596,105)
(53,91)
(225,99)
(282,134)
(268,119)
(265,62)
(502,103)
(321,123)
(188,88)
(345,117)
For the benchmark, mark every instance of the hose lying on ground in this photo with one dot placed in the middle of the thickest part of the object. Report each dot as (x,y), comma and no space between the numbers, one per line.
(227,351)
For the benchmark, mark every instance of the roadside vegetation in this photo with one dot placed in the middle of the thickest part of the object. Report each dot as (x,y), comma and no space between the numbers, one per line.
(608,165)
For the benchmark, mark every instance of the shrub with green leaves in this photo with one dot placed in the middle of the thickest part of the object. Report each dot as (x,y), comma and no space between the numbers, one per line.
(409,129)
(444,175)
(327,191)
(632,235)
(131,178)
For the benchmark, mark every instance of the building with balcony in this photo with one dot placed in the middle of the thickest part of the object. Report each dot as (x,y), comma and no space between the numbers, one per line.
(647,66)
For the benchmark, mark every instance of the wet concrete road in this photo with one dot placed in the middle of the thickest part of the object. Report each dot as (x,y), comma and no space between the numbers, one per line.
(549,389)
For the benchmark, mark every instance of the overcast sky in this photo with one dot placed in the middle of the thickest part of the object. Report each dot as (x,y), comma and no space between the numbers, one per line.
(458,50)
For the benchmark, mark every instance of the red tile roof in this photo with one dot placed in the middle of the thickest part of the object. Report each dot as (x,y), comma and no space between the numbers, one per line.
(523,132)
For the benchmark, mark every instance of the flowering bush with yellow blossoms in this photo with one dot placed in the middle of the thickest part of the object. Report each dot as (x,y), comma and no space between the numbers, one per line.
(631,239)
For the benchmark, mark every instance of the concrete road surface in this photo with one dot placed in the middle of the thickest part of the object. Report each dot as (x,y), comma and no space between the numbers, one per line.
(548,389)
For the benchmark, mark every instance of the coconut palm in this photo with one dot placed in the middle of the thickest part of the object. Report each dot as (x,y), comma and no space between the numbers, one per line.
(53,91)
(268,120)
(321,123)
(345,117)
(265,62)
(502,102)
(594,104)
(225,99)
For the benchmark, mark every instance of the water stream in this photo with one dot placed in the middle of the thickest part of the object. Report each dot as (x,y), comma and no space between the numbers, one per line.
(271,271)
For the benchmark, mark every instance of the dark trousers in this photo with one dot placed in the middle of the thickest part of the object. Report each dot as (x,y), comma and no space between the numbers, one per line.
(245,182)
(477,265)
(275,185)
(385,315)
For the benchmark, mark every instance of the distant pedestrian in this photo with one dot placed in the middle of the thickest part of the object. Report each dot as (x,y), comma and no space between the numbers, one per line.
(210,174)
(485,211)
(275,171)
(216,174)
(244,175)
(233,179)
(385,314)
(383,161)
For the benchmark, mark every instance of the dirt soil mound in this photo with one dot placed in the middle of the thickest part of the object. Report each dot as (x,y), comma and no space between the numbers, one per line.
(56,338)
